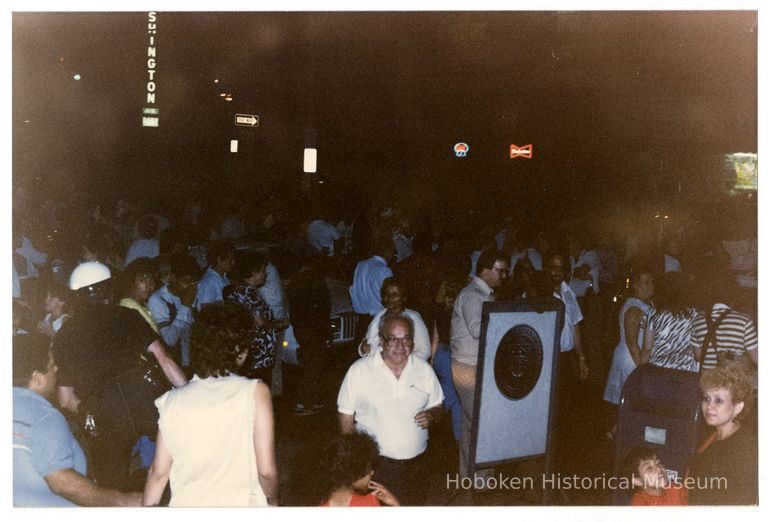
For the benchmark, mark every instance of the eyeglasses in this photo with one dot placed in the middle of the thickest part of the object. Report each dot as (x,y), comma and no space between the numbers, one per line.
(503,271)
(394,341)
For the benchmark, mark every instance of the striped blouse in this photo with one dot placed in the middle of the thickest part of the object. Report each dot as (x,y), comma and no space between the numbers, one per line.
(675,338)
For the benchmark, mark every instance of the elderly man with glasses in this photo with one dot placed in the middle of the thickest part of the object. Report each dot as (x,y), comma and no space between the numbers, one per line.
(395,398)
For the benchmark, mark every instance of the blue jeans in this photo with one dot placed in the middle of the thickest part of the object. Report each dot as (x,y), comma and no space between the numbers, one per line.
(442,367)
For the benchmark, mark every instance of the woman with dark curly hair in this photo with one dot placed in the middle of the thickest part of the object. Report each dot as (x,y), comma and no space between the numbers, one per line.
(250,273)
(724,470)
(348,463)
(215,438)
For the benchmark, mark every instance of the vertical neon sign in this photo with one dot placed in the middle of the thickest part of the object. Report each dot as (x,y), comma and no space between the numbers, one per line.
(151,115)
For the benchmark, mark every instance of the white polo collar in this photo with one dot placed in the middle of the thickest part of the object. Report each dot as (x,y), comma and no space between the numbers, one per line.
(483,285)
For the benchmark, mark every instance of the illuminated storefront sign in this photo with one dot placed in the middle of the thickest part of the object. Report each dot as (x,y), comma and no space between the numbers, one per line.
(310,161)
(741,170)
(151,115)
(461,149)
(521,151)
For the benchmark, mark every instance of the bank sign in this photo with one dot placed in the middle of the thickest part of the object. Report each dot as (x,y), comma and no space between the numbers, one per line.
(150,116)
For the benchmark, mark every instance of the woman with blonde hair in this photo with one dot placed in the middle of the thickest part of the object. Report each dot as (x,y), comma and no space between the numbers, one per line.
(724,469)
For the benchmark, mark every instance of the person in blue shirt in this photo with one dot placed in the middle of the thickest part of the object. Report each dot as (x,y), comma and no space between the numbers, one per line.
(171,305)
(49,466)
(369,277)
(210,288)
(365,292)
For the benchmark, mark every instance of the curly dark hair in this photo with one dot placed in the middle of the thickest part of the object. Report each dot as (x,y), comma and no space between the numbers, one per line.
(348,458)
(139,267)
(630,464)
(185,265)
(676,295)
(219,335)
(247,263)
(488,258)
(220,250)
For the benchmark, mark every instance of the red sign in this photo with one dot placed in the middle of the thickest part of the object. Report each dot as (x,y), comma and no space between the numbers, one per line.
(521,151)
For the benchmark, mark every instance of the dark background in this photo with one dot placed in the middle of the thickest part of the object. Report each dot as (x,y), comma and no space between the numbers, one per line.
(622,108)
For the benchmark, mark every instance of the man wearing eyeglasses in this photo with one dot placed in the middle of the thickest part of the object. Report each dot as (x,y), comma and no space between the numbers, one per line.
(395,398)
(492,270)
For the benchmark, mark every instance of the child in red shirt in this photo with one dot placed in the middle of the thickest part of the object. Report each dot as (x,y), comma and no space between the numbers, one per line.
(649,477)
(348,461)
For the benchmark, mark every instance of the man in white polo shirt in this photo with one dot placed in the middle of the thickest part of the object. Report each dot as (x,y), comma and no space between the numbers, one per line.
(394,397)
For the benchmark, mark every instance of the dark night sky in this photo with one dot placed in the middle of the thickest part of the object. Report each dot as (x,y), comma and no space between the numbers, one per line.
(600,95)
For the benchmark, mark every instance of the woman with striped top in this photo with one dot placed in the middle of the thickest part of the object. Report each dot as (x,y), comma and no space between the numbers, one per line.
(670,338)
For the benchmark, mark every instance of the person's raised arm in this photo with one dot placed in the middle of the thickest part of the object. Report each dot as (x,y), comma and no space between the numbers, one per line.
(383,495)
(79,490)
(159,472)
(171,370)
(264,442)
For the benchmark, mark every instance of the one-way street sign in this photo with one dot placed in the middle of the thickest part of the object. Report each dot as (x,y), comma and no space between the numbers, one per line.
(246,120)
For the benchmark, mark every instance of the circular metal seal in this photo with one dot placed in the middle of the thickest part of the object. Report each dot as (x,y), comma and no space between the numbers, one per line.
(518,361)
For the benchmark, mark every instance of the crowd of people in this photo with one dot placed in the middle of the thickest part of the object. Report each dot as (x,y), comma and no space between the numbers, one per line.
(153,342)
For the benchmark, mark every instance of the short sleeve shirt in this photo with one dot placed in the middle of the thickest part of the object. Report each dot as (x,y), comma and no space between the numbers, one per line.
(572,317)
(384,406)
(210,288)
(264,341)
(42,444)
(736,333)
(675,340)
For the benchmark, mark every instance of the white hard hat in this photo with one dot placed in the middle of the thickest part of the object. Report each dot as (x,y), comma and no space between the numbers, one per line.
(88,274)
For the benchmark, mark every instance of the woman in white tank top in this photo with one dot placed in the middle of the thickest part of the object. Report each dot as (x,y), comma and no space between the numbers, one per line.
(215,440)
(626,356)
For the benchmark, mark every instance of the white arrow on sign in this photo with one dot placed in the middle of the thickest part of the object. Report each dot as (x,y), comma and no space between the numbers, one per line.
(246,120)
